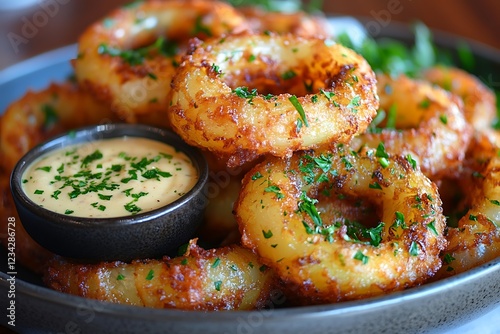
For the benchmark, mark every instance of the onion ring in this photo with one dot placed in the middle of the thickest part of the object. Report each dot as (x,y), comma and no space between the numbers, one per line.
(304,93)
(319,259)
(227,278)
(427,123)
(479,101)
(129,58)
(475,239)
(39,115)
(297,23)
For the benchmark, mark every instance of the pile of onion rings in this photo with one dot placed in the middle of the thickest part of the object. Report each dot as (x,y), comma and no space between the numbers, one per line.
(336,202)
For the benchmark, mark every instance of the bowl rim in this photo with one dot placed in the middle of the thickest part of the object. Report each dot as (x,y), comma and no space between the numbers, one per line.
(113,130)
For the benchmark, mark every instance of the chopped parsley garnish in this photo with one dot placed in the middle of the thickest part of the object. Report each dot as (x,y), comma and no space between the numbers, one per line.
(382,155)
(354,103)
(288,75)
(329,96)
(151,275)
(356,232)
(276,190)
(216,263)
(120,277)
(412,161)
(90,158)
(50,114)
(424,104)
(448,258)
(307,205)
(56,194)
(267,234)
(361,257)
(136,57)
(215,68)
(243,92)
(375,185)
(104,197)
(399,222)
(432,227)
(45,168)
(256,176)
(217,285)
(296,103)
(348,165)
(81,179)
(132,207)
(200,28)
(414,250)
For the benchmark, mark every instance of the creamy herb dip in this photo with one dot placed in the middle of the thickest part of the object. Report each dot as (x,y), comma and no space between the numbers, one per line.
(109,178)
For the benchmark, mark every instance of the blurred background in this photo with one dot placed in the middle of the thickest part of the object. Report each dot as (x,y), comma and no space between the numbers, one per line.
(30,27)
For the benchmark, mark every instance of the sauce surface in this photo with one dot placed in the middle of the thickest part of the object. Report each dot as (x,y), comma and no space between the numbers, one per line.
(109,178)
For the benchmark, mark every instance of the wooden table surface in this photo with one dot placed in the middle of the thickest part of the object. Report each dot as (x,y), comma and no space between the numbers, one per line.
(53,23)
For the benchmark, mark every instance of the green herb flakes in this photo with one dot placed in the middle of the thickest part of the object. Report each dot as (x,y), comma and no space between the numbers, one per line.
(414,249)
(296,103)
(216,263)
(151,275)
(361,257)
(267,234)
(276,190)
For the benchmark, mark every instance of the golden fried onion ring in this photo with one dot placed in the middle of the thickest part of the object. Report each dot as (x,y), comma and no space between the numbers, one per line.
(297,23)
(428,124)
(138,83)
(476,238)
(479,101)
(39,115)
(319,259)
(248,95)
(227,278)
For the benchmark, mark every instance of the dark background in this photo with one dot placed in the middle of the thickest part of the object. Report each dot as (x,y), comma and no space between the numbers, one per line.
(59,22)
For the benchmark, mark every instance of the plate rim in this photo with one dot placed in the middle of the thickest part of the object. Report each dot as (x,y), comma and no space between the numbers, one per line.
(414,293)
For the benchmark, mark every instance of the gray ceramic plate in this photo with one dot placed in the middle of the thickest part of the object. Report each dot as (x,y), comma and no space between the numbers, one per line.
(435,307)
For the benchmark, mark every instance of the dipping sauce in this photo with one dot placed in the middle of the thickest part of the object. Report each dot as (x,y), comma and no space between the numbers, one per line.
(109,178)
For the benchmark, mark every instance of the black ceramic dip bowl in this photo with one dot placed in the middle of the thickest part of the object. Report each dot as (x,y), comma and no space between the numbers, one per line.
(138,234)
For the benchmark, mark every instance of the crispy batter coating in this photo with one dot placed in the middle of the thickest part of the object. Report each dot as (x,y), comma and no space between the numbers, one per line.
(125,62)
(247,95)
(227,278)
(428,124)
(323,259)
(479,101)
(37,116)
(298,23)
(476,237)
